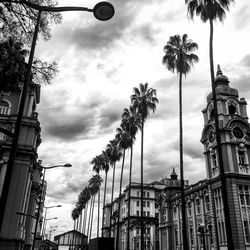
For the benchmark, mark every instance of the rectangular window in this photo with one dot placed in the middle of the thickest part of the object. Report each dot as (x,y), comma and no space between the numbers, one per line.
(143,193)
(176,237)
(245,210)
(220,211)
(138,194)
(138,213)
(207,203)
(189,205)
(191,232)
(148,213)
(148,194)
(148,204)
(246,231)
(144,213)
(144,203)
(137,203)
(198,206)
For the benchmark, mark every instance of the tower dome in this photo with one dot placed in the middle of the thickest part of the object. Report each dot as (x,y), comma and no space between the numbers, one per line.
(220,79)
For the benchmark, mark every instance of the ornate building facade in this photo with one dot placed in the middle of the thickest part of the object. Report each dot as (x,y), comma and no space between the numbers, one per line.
(204,204)
(25,183)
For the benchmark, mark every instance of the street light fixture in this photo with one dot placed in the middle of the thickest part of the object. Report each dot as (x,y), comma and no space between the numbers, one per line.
(102,11)
(67,165)
(23,214)
(45,215)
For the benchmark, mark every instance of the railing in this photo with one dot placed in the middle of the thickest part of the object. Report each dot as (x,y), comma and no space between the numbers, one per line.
(4,110)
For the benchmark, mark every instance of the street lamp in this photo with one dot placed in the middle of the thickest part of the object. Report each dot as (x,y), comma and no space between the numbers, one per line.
(67,165)
(201,229)
(44,220)
(102,11)
(52,229)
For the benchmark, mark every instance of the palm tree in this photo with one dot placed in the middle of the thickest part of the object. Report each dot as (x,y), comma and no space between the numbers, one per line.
(82,201)
(124,142)
(144,100)
(131,121)
(179,57)
(94,185)
(97,162)
(114,155)
(211,10)
(105,167)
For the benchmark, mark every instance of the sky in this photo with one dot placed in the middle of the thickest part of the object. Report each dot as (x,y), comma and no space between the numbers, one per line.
(100,63)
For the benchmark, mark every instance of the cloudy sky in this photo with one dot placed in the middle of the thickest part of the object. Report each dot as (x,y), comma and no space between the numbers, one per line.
(101,62)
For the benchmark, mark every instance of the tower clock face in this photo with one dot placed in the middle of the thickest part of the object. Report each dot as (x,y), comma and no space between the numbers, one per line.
(238,133)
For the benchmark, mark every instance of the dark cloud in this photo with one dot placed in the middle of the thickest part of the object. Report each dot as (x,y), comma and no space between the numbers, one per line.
(70,128)
(109,116)
(145,32)
(98,35)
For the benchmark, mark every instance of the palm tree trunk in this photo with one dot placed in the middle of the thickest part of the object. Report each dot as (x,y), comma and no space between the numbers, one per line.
(90,211)
(92,215)
(119,203)
(104,199)
(85,218)
(129,196)
(112,197)
(142,227)
(80,224)
(183,202)
(219,147)
(98,214)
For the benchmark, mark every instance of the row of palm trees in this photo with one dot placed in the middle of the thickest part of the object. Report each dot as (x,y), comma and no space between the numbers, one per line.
(178,57)
(83,212)
(143,102)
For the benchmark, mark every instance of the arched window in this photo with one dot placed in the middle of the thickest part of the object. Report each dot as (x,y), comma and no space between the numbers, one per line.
(232,107)
(210,111)
(4,107)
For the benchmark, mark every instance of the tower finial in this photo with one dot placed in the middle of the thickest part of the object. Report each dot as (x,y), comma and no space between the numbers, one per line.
(219,72)
(173,175)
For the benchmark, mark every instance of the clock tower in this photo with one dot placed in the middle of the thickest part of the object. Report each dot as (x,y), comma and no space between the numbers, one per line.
(234,132)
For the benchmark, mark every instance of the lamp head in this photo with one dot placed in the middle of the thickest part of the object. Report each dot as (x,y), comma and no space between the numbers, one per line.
(103,11)
(67,165)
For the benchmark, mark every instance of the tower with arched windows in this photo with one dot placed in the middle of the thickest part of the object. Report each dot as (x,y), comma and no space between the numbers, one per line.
(235,139)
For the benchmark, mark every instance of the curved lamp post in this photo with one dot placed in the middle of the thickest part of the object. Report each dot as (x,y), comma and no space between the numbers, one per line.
(44,220)
(67,165)
(102,11)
